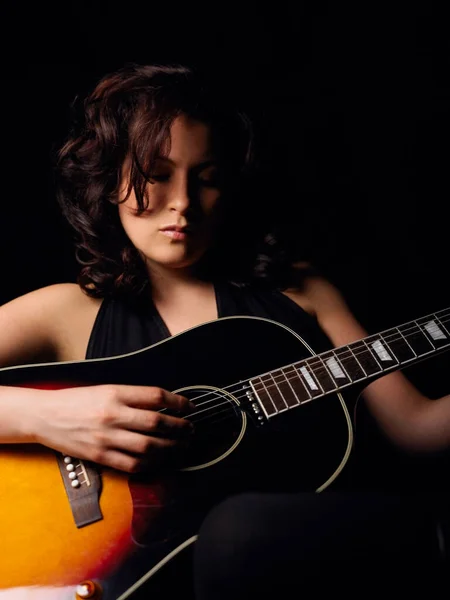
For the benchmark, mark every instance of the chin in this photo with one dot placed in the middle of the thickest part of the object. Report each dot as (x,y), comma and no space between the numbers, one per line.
(172,262)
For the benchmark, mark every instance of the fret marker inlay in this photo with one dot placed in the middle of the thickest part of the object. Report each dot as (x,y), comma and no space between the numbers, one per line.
(435,332)
(309,379)
(335,369)
(381,351)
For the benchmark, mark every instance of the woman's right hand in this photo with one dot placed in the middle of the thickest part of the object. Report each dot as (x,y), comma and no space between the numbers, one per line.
(118,426)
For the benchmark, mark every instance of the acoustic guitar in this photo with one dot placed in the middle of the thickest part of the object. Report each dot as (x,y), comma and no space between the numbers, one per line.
(270,414)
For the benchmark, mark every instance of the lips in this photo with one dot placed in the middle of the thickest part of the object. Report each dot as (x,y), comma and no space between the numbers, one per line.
(175,232)
(177,228)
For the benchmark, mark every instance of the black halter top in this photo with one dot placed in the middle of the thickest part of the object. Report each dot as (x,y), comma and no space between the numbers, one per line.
(120,328)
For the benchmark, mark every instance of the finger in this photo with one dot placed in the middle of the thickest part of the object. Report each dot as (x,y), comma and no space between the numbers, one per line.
(153,397)
(138,444)
(122,461)
(150,421)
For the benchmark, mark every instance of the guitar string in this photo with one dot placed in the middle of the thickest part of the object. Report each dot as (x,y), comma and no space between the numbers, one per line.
(322,369)
(343,355)
(228,414)
(296,376)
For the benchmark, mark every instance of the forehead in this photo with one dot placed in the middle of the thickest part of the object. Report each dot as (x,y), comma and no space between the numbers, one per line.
(190,140)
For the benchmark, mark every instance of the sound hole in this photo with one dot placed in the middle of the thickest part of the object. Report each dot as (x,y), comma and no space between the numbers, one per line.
(219,426)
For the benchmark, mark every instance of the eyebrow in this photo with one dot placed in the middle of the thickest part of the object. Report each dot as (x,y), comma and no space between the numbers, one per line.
(202,165)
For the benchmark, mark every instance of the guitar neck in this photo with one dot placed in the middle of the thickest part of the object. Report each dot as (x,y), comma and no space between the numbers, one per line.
(356,363)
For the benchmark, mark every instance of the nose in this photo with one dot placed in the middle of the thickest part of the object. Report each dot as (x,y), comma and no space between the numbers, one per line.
(180,200)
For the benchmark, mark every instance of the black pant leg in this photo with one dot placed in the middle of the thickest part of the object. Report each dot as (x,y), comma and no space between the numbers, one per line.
(264,545)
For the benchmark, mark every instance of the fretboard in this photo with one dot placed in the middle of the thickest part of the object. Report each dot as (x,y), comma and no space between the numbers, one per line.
(365,359)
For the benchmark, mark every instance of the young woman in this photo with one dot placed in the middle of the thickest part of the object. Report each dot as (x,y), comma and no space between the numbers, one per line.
(157,179)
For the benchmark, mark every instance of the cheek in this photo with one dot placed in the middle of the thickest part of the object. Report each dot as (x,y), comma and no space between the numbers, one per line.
(212,203)
(216,209)
(153,200)
(133,226)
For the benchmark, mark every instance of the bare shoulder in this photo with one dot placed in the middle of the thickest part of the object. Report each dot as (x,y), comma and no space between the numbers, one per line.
(74,316)
(322,299)
(47,324)
(310,290)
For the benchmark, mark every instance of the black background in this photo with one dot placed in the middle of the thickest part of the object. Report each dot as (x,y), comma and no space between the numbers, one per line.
(354,102)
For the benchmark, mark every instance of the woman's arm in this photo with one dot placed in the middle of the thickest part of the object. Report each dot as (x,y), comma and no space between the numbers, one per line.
(410,419)
(120,426)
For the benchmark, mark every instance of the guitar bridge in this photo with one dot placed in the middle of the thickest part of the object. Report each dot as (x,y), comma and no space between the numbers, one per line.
(83,485)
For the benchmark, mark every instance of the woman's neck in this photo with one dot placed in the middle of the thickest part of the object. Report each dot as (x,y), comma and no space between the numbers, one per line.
(170,285)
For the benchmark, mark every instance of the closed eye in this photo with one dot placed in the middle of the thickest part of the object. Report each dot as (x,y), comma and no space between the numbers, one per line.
(159,178)
(210,183)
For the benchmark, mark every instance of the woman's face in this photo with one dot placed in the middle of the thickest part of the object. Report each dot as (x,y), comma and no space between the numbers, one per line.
(183,201)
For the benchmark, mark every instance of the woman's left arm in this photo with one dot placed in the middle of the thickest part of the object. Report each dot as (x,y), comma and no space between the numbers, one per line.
(407,416)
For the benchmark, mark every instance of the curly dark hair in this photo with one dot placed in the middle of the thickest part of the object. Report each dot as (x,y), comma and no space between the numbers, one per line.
(128,115)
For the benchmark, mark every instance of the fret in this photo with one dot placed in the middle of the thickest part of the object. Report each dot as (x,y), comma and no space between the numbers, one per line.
(286,389)
(381,350)
(373,354)
(365,358)
(310,382)
(293,376)
(399,345)
(336,369)
(416,339)
(435,334)
(264,396)
(442,318)
(321,373)
(350,363)
(274,391)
